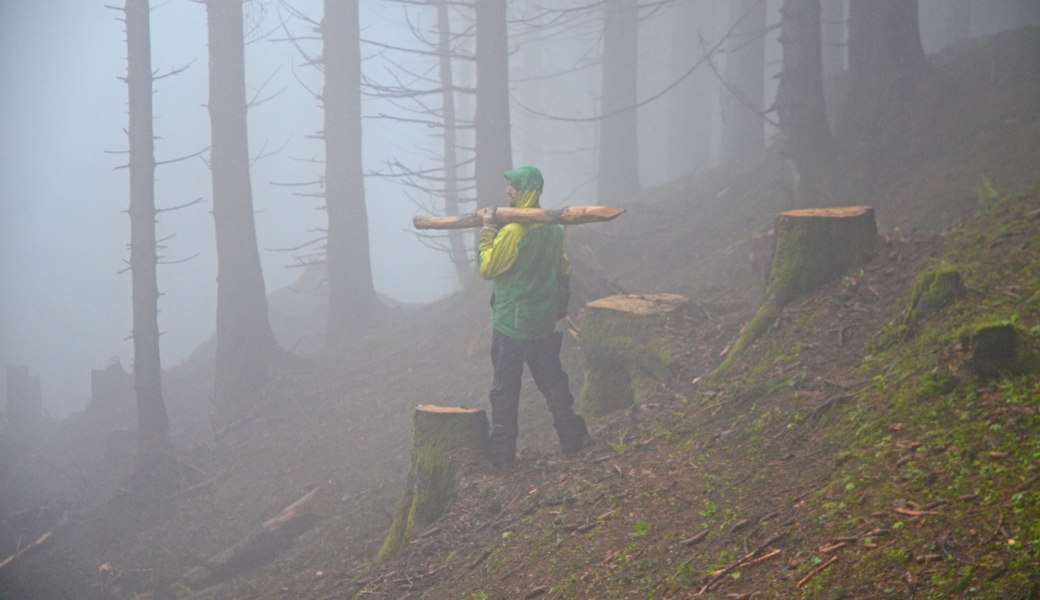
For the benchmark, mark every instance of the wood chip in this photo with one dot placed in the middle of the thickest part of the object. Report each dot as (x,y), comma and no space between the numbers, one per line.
(607,515)
(832,547)
(690,541)
(914,513)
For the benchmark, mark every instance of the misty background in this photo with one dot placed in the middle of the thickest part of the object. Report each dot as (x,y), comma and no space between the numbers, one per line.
(65,307)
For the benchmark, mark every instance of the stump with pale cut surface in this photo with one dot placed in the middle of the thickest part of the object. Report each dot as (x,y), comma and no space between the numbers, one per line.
(625,341)
(814,246)
(438,434)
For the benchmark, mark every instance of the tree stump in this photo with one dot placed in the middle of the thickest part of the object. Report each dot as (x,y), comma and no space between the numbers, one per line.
(625,340)
(813,247)
(1001,348)
(438,433)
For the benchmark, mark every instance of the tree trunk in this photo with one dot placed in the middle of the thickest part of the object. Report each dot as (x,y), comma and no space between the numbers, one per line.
(833,29)
(813,247)
(456,243)
(245,345)
(744,135)
(625,340)
(618,141)
(439,432)
(886,60)
(689,132)
(352,297)
(494,155)
(958,21)
(805,135)
(152,421)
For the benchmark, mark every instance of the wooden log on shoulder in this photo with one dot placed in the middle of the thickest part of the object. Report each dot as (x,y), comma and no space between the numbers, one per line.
(570,215)
(813,247)
(625,339)
(438,433)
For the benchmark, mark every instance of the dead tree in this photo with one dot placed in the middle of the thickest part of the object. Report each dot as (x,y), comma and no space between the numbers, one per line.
(152,421)
(744,130)
(886,61)
(494,154)
(352,296)
(618,147)
(805,135)
(246,347)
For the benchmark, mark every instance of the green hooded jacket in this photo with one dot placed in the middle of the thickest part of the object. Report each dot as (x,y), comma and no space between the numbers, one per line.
(528,265)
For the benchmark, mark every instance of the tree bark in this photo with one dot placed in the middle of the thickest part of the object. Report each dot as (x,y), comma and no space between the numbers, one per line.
(618,141)
(744,135)
(690,132)
(463,268)
(886,60)
(152,421)
(805,135)
(833,33)
(352,297)
(245,344)
(494,155)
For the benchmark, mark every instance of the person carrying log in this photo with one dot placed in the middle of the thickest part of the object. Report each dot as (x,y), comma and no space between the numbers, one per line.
(531,290)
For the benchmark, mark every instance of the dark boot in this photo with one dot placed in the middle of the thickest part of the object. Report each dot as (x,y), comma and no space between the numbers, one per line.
(573,436)
(501,448)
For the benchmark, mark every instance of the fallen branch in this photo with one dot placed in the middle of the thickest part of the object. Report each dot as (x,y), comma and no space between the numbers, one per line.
(746,560)
(815,572)
(43,539)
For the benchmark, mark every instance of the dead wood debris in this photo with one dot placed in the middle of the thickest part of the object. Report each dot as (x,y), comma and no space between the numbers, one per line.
(808,577)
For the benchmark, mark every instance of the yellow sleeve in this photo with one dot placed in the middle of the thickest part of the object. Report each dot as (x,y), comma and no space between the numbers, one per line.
(498,251)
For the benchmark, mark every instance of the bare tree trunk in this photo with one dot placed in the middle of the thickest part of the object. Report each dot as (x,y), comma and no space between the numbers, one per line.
(352,297)
(618,140)
(958,21)
(451,180)
(245,345)
(833,27)
(804,131)
(886,60)
(690,131)
(152,421)
(494,154)
(744,135)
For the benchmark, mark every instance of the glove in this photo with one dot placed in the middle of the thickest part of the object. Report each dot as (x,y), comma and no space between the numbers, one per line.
(489,219)
(560,326)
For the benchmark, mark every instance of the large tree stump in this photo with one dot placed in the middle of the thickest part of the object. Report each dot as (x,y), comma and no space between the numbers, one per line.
(438,433)
(625,340)
(813,247)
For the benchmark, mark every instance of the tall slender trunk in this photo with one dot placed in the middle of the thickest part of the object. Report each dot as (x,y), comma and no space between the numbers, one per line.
(805,135)
(494,153)
(690,128)
(618,140)
(744,135)
(245,345)
(957,21)
(152,421)
(833,27)
(352,297)
(886,60)
(451,179)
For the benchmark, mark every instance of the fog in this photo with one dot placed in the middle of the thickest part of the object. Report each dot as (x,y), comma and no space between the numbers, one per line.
(64,298)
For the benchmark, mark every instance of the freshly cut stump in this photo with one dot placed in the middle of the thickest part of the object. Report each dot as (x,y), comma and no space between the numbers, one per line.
(814,246)
(625,340)
(438,433)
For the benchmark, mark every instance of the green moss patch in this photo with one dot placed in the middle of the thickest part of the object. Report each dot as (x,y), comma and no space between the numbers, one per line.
(934,290)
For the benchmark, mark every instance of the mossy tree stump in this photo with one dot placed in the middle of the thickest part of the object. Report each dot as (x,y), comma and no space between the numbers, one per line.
(934,290)
(625,340)
(813,247)
(438,433)
(1001,348)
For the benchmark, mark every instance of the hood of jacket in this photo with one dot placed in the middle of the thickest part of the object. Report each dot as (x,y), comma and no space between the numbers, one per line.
(527,181)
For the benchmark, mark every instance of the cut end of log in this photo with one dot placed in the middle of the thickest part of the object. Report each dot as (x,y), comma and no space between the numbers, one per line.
(433,408)
(835,212)
(643,305)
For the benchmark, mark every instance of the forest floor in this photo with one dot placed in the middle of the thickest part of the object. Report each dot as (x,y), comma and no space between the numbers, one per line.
(845,456)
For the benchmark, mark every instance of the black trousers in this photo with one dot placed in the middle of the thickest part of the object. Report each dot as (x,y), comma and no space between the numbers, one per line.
(542,356)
